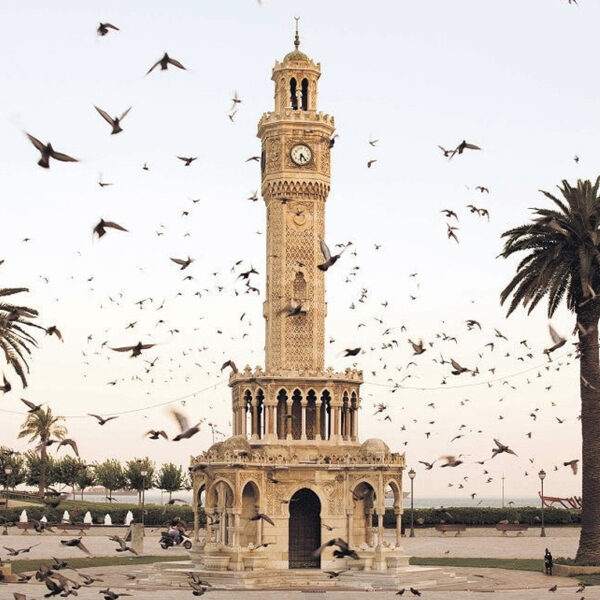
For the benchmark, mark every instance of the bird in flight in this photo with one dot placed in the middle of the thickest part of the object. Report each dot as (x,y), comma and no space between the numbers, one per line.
(103,28)
(48,152)
(102,226)
(135,350)
(329,259)
(102,420)
(188,160)
(164,63)
(114,122)
(464,145)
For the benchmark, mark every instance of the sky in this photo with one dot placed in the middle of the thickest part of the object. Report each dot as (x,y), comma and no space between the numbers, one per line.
(515,78)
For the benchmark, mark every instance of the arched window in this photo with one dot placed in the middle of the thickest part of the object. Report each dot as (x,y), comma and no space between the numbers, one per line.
(325,415)
(281,410)
(247,425)
(293,97)
(311,411)
(305,94)
(261,414)
(296,415)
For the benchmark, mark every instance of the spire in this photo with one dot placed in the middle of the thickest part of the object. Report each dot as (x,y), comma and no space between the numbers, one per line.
(297,37)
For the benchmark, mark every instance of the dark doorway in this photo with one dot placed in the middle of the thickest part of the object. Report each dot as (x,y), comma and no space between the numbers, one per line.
(304,530)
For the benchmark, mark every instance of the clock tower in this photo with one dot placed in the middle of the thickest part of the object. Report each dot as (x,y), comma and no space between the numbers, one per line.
(295,455)
(295,167)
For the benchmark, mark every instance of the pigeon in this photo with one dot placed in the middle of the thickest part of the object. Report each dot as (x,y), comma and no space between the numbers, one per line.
(114,122)
(103,28)
(164,63)
(76,543)
(135,350)
(155,434)
(558,340)
(102,420)
(187,431)
(184,263)
(329,259)
(188,160)
(48,152)
(501,448)
(102,226)
(344,549)
(258,516)
(573,464)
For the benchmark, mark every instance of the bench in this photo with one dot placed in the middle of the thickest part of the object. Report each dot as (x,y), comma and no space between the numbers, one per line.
(80,527)
(445,527)
(504,527)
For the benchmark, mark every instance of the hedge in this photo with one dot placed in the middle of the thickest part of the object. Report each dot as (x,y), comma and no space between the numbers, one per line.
(482,516)
(156,514)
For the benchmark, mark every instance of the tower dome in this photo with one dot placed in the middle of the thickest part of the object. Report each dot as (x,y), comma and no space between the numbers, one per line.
(374,446)
(295,54)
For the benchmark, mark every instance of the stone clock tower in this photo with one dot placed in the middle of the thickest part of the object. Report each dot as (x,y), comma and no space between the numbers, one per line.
(295,169)
(295,454)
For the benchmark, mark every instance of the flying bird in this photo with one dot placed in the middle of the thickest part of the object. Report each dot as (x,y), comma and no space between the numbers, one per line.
(183,262)
(186,431)
(558,341)
(500,448)
(102,420)
(135,350)
(104,27)
(102,226)
(329,259)
(48,152)
(464,145)
(164,63)
(154,434)
(114,122)
(573,464)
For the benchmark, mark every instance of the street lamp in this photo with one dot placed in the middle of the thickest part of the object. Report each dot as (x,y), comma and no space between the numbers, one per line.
(143,473)
(411,476)
(542,476)
(7,473)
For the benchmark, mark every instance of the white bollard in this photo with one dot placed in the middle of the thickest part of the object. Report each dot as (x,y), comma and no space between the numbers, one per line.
(23,518)
(88,518)
(107,519)
(128,518)
(43,519)
(66,518)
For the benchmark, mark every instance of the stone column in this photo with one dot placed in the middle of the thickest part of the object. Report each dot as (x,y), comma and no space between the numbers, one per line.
(244,411)
(369,526)
(349,526)
(335,433)
(379,562)
(353,417)
(398,514)
(235,542)
(303,404)
(288,420)
(379,529)
(196,515)
(318,420)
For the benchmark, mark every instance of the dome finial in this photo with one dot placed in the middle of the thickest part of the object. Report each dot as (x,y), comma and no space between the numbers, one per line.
(297,38)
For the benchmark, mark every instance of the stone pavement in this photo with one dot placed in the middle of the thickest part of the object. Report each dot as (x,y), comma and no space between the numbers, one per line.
(505,584)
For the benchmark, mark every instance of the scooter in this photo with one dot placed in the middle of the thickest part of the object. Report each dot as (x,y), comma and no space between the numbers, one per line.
(167,541)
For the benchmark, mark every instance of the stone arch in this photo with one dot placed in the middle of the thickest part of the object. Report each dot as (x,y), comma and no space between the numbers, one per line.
(281,411)
(260,413)
(396,491)
(294,93)
(311,414)
(297,414)
(304,529)
(249,502)
(219,503)
(304,94)
(247,412)
(364,500)
(326,414)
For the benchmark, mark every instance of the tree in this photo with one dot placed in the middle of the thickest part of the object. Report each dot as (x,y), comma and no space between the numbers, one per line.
(109,475)
(15,461)
(67,471)
(135,479)
(15,340)
(170,479)
(563,261)
(85,479)
(40,426)
(33,465)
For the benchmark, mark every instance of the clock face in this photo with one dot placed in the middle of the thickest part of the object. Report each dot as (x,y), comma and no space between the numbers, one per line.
(301,154)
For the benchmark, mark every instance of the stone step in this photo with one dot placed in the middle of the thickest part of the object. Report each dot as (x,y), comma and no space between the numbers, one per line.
(165,575)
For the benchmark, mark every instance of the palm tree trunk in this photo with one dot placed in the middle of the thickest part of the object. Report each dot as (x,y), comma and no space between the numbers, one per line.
(588,551)
(43,463)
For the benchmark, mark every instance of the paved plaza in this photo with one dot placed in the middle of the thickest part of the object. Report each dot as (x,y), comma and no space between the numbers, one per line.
(475,582)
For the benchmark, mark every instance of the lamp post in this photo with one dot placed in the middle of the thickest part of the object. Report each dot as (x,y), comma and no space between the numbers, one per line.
(143,473)
(542,476)
(411,476)
(7,473)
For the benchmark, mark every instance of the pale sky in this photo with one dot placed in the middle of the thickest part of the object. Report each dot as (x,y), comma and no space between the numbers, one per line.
(517,78)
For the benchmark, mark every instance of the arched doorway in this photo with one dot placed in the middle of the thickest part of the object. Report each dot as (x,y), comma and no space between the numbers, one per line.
(304,530)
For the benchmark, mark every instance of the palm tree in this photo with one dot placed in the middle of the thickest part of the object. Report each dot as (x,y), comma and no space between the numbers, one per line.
(40,426)
(563,261)
(15,340)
